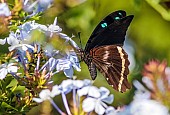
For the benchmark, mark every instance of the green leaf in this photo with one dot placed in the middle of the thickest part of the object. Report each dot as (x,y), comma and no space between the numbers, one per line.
(5,105)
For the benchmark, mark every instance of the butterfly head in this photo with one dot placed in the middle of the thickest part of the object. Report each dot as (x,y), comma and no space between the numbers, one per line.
(81,54)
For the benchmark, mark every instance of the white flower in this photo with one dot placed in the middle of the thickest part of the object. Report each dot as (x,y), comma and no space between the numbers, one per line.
(7,68)
(90,91)
(16,42)
(11,40)
(55,91)
(141,92)
(68,85)
(46,94)
(96,100)
(54,28)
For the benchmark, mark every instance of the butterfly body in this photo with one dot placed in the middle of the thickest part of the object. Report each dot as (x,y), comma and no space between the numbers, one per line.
(104,50)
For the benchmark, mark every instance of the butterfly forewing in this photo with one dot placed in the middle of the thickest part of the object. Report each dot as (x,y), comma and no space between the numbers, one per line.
(107,21)
(112,62)
(113,33)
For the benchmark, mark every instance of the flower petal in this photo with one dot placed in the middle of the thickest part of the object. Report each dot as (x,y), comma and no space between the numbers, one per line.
(89,104)
(12,68)
(3,73)
(78,83)
(99,108)
(68,72)
(45,94)
(2,41)
(104,92)
(108,99)
(38,100)
(110,111)
(90,91)
(66,86)
(55,91)
(94,92)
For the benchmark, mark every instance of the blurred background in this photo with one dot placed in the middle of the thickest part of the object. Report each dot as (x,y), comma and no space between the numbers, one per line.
(148,36)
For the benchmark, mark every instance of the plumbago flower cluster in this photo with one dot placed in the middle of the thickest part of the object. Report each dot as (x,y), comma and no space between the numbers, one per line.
(33,67)
(95,98)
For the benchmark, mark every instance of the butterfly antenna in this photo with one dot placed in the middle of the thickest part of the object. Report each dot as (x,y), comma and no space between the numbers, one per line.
(80,39)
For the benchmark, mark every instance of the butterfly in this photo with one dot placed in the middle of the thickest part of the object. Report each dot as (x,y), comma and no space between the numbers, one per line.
(104,50)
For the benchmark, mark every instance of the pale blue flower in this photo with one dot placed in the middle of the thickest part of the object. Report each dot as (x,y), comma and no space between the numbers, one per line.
(28,27)
(54,28)
(67,64)
(23,47)
(32,25)
(36,6)
(110,111)
(16,42)
(11,40)
(7,68)
(50,64)
(141,92)
(4,10)
(55,91)
(66,86)
(43,5)
(71,55)
(96,99)
(28,6)
(76,84)
(89,90)
(46,94)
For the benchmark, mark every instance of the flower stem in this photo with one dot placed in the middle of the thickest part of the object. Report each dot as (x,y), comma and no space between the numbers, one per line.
(75,105)
(56,107)
(65,103)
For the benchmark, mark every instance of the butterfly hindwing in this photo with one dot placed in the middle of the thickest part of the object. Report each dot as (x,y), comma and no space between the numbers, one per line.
(112,62)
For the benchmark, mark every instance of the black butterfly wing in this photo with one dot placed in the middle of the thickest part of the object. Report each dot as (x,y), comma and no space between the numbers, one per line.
(112,61)
(104,50)
(111,30)
(108,20)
